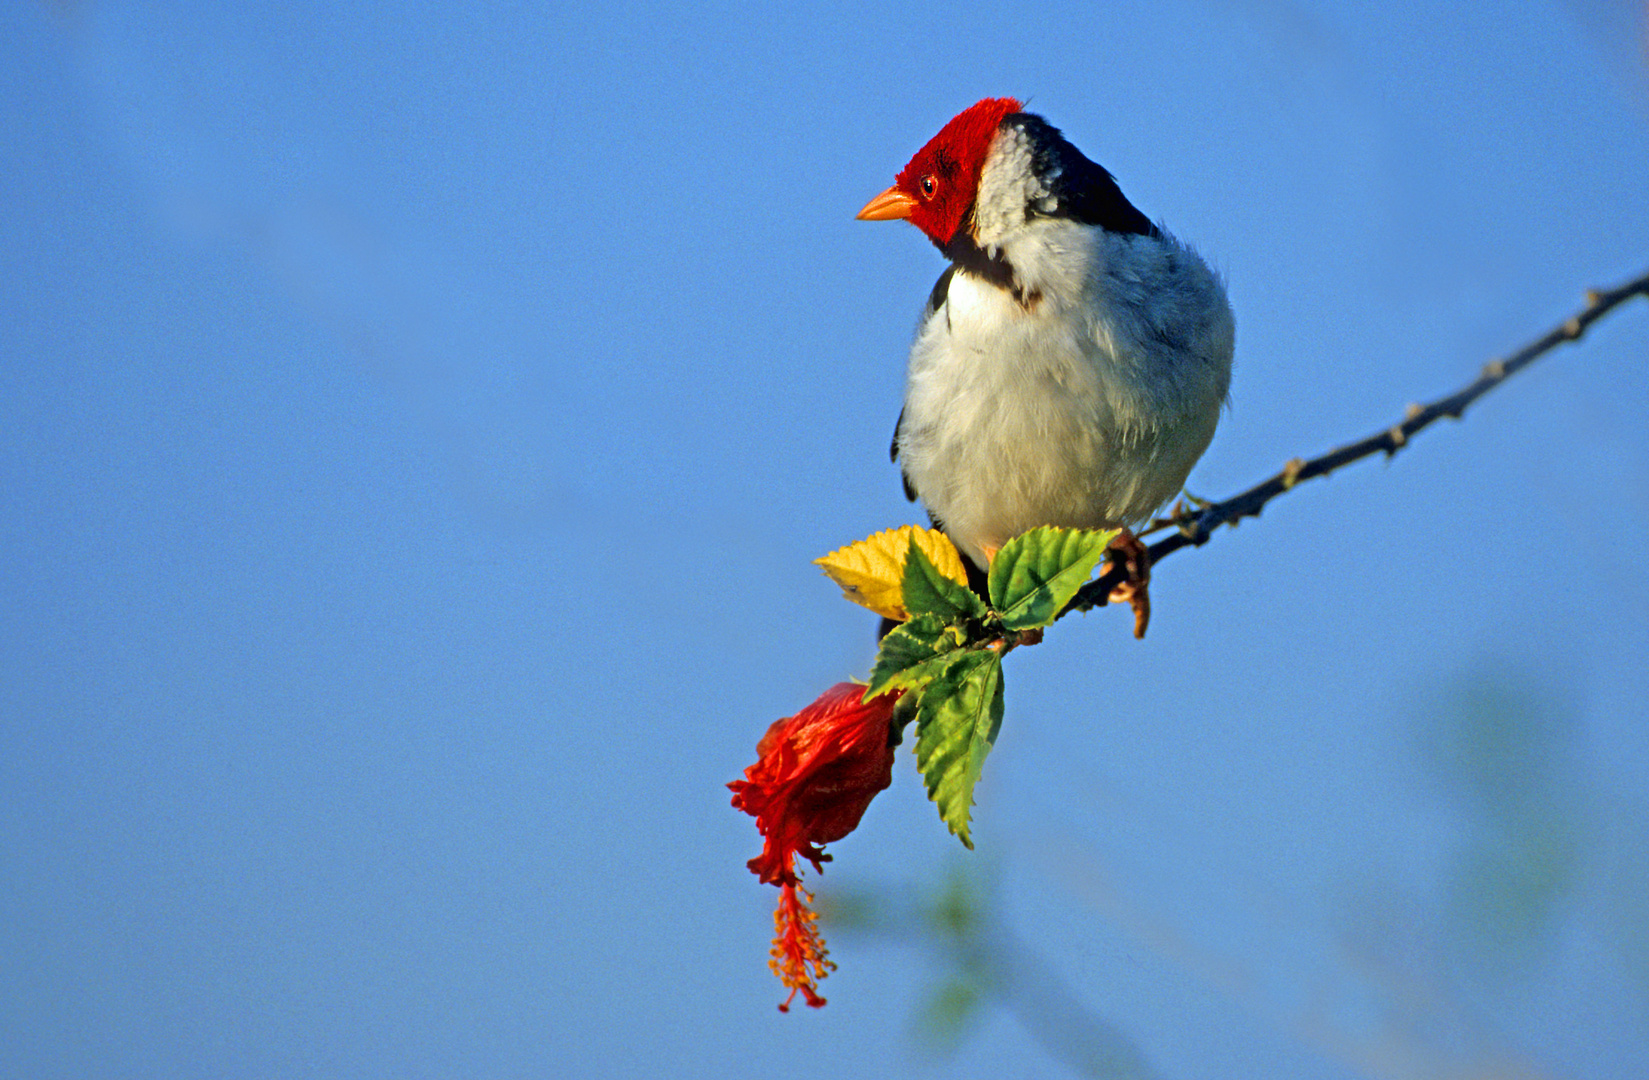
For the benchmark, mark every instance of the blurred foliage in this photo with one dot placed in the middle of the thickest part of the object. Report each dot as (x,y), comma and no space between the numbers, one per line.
(980,963)
(949,918)
(1503,751)
(1534,850)
(952,1005)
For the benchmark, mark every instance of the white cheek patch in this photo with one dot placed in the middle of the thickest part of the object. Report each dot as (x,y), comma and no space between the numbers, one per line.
(1007,186)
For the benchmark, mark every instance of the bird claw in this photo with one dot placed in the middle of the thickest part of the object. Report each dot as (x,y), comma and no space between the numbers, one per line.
(1130,555)
(1182,515)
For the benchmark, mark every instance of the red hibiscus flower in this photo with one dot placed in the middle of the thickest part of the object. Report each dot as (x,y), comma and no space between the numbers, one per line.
(815,775)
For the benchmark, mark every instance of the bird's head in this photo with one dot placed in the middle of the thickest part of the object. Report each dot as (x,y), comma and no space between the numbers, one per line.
(936,190)
(990,173)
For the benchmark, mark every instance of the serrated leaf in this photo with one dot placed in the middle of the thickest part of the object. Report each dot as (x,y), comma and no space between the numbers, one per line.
(956,724)
(914,677)
(1036,573)
(872,571)
(929,590)
(904,711)
(904,660)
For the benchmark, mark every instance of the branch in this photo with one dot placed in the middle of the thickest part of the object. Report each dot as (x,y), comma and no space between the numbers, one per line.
(1196,529)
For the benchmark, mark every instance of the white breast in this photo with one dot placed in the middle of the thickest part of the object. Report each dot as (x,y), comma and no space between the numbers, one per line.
(1085,406)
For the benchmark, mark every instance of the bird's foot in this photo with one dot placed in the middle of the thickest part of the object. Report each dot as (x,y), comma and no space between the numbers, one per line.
(1130,555)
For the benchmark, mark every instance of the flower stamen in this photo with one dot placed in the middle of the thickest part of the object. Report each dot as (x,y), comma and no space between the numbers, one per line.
(798,957)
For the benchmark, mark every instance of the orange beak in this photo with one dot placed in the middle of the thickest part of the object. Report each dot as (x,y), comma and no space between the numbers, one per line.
(890,205)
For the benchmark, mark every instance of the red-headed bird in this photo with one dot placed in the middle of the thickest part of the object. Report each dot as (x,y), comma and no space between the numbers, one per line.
(1072,361)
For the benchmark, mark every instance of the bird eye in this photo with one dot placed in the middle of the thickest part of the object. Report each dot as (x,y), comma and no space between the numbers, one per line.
(928,185)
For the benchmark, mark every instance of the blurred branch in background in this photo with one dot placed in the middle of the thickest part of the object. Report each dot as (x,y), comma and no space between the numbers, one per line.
(1196,527)
(982,964)
(1535,851)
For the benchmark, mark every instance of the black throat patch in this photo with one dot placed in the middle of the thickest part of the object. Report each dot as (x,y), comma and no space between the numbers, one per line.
(967,256)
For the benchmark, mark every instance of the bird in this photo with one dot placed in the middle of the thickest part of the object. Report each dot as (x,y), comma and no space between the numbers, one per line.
(1071,363)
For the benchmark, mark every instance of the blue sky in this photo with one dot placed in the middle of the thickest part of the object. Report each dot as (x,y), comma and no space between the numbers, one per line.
(417,422)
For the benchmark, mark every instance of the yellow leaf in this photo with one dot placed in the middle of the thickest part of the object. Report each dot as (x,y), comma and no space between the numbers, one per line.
(872,571)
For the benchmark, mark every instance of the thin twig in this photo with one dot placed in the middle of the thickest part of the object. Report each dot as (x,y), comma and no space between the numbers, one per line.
(1196,529)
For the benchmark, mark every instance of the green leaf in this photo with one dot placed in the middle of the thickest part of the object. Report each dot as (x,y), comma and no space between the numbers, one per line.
(904,711)
(956,723)
(906,655)
(928,591)
(1036,573)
